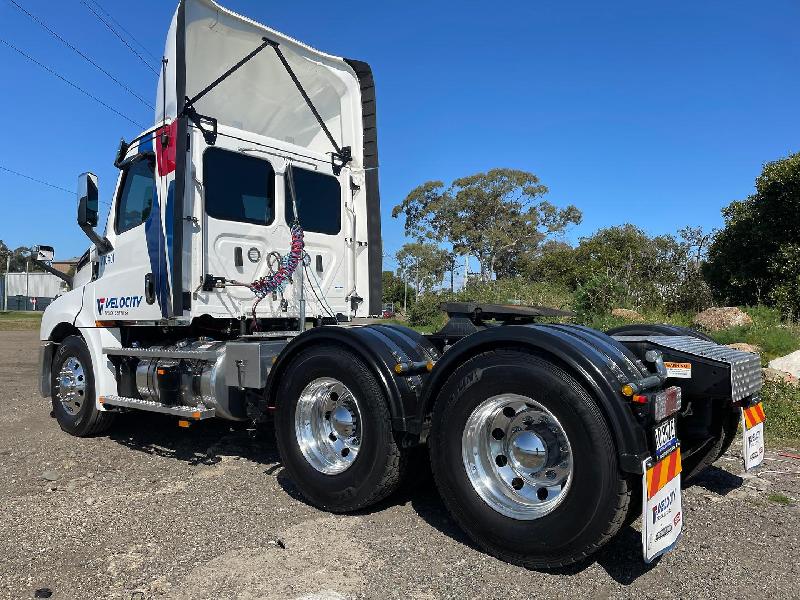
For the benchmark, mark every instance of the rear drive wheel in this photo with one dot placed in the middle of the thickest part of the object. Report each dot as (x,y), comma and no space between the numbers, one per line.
(73,392)
(334,431)
(525,462)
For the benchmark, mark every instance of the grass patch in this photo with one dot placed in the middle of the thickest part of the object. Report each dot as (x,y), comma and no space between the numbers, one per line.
(19,320)
(782,407)
(774,337)
(779,498)
(605,322)
(424,329)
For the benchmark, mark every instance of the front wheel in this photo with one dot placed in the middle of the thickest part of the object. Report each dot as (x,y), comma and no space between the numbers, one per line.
(525,462)
(73,393)
(334,431)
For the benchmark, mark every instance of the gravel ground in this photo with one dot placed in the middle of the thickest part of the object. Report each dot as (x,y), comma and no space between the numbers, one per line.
(154,511)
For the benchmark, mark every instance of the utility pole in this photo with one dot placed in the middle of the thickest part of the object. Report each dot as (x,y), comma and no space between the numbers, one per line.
(27,282)
(5,283)
(405,290)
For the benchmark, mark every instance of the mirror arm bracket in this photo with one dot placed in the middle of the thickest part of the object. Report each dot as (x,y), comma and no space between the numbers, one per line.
(52,271)
(102,243)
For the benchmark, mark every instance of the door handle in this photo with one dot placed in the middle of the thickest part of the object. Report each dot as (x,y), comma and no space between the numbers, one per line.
(149,288)
(238,259)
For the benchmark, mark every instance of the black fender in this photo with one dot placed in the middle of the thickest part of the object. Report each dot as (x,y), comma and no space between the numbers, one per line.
(600,363)
(381,347)
(657,329)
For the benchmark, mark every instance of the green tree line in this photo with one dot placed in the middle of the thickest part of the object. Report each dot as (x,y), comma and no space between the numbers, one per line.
(503,219)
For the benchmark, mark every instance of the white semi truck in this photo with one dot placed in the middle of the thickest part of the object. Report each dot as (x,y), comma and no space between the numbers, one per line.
(242,248)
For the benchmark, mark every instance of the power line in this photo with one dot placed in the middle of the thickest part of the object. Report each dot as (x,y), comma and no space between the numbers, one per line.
(47,183)
(122,39)
(52,185)
(118,24)
(81,54)
(67,81)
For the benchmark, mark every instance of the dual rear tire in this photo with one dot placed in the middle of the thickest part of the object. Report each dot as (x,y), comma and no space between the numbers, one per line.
(530,473)
(334,431)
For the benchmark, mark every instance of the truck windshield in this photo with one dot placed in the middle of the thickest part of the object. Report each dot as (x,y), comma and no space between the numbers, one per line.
(238,187)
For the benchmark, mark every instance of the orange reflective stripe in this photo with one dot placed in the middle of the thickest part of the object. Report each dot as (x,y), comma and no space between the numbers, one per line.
(753,415)
(661,473)
(748,419)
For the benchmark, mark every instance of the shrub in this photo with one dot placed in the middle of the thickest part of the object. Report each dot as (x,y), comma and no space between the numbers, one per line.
(782,406)
(767,331)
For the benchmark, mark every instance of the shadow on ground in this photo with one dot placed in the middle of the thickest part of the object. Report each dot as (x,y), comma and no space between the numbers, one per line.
(719,481)
(206,442)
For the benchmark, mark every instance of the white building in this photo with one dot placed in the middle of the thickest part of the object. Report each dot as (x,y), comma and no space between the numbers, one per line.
(30,291)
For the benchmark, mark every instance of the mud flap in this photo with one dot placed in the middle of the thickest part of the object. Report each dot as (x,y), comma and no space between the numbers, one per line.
(753,418)
(662,517)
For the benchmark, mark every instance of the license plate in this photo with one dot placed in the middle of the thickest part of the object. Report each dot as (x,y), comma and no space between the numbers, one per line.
(753,418)
(665,438)
(662,518)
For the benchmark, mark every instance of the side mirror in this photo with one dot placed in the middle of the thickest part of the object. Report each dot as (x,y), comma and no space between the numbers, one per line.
(88,207)
(88,202)
(44,253)
(43,256)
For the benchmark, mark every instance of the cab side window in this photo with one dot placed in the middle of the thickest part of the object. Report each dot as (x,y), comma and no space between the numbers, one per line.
(136,196)
(319,201)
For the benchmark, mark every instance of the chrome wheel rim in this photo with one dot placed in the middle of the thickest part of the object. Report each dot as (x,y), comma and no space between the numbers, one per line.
(71,385)
(328,425)
(517,456)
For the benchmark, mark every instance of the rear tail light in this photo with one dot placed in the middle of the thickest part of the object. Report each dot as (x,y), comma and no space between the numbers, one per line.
(666,403)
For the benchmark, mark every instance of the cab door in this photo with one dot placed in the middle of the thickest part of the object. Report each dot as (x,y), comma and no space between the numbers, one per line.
(247,215)
(240,229)
(132,281)
(320,198)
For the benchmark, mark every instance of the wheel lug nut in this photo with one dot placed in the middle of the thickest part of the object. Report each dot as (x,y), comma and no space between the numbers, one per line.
(509,412)
(332,437)
(498,434)
(501,460)
(517,483)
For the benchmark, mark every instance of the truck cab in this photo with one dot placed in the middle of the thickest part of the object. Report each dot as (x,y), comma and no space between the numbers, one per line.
(204,193)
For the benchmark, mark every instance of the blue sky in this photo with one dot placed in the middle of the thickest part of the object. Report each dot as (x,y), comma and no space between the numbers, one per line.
(658,114)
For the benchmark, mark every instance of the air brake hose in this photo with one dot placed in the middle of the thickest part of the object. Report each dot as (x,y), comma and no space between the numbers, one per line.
(277,281)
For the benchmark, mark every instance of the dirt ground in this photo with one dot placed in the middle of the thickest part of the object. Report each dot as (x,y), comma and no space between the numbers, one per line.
(154,511)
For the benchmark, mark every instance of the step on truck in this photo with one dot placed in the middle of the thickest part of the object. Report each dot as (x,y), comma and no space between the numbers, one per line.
(240,258)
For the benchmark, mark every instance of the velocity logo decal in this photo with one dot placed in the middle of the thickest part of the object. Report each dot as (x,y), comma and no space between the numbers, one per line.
(117,305)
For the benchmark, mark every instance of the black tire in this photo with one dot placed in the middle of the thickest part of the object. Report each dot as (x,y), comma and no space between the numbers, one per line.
(87,420)
(658,329)
(380,464)
(596,502)
(704,457)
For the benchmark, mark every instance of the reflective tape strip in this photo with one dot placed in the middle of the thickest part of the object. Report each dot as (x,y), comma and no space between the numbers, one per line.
(661,473)
(753,415)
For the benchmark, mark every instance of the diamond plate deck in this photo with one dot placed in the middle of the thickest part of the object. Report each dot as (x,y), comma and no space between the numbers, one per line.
(745,367)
